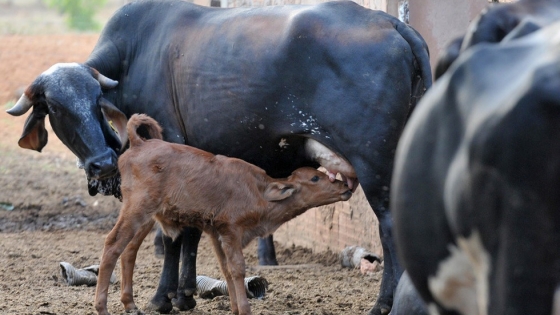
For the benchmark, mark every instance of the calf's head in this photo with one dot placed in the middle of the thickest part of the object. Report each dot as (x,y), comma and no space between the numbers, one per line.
(89,125)
(306,188)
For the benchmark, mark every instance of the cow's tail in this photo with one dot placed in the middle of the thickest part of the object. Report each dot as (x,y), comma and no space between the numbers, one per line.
(422,55)
(149,125)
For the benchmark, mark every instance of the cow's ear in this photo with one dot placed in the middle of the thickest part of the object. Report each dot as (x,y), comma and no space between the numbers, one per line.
(116,119)
(277,191)
(34,136)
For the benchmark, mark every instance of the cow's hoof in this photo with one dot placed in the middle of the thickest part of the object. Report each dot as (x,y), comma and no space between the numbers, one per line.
(184,303)
(267,261)
(160,305)
(380,308)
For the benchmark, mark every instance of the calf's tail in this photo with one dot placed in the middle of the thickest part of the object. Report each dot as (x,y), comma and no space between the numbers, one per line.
(148,125)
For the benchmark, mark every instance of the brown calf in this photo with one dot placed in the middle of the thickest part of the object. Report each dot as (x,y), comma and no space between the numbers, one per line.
(231,200)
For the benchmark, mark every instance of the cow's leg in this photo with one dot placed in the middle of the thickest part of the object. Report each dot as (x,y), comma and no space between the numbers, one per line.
(159,249)
(376,185)
(392,269)
(266,251)
(187,281)
(168,282)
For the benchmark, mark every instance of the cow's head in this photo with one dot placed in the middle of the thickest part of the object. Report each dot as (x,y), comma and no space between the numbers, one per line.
(89,125)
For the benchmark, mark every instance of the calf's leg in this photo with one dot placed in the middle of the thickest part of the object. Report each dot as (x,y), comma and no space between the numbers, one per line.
(115,243)
(222,259)
(128,259)
(232,249)
(236,264)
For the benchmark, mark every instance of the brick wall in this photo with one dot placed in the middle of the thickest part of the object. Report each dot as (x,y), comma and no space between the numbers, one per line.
(334,227)
(372,4)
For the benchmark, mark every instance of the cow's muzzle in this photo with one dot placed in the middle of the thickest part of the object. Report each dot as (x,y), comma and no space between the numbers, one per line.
(102,166)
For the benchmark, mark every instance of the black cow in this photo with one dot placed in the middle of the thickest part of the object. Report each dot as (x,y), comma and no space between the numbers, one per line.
(475,186)
(497,22)
(280,87)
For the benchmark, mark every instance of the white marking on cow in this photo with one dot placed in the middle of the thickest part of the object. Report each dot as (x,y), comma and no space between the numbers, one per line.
(59,66)
(461,282)
(556,302)
(432,309)
(283,143)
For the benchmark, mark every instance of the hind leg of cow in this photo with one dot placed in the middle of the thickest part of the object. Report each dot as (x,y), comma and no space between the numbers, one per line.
(266,251)
(187,280)
(392,270)
(376,188)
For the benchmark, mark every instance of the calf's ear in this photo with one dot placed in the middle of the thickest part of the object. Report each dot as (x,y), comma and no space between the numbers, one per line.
(277,191)
(116,120)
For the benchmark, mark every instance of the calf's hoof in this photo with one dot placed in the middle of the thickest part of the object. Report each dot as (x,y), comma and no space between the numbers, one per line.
(184,302)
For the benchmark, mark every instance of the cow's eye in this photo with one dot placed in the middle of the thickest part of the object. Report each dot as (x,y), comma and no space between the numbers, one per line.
(315,178)
(53,107)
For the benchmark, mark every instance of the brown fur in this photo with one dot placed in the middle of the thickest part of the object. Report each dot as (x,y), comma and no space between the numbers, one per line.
(231,200)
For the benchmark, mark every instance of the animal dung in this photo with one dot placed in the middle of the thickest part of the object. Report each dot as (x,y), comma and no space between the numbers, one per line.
(208,288)
(87,275)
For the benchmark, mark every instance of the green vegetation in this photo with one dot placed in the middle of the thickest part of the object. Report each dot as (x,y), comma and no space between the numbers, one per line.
(79,13)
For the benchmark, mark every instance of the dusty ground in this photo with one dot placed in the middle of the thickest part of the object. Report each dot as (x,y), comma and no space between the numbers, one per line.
(54,219)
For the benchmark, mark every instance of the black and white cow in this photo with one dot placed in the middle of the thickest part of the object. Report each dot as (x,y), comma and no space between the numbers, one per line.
(498,22)
(280,87)
(475,186)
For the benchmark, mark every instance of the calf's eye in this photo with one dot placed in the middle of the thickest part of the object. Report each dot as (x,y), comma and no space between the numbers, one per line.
(315,178)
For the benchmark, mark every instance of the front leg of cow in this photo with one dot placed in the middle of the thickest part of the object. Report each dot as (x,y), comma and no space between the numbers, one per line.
(266,251)
(187,281)
(169,281)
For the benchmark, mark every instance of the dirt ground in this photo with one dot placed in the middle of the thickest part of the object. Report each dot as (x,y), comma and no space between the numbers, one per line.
(47,216)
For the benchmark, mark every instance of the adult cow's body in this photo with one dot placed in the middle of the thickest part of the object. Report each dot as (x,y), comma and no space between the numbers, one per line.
(476,179)
(500,21)
(257,84)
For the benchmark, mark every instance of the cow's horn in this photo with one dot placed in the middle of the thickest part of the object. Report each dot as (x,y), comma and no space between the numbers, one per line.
(21,107)
(106,82)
